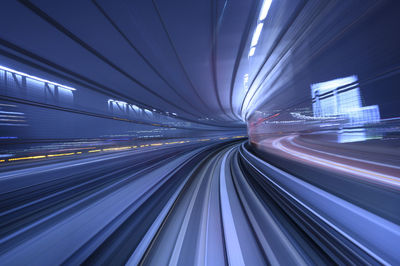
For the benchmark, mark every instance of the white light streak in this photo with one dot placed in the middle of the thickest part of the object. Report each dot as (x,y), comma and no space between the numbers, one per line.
(36,78)
(117,102)
(257,34)
(252,50)
(264,9)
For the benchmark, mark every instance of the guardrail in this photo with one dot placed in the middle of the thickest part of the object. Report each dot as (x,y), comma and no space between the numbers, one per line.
(359,232)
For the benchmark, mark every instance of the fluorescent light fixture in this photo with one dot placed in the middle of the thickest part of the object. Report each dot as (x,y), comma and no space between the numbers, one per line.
(264,9)
(257,34)
(35,78)
(134,107)
(117,102)
(246,80)
(252,50)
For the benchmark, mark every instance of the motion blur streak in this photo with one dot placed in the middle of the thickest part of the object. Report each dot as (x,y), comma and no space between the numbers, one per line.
(199,132)
(376,176)
(214,203)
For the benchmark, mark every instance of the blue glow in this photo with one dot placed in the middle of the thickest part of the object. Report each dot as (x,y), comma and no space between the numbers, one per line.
(36,78)
(122,104)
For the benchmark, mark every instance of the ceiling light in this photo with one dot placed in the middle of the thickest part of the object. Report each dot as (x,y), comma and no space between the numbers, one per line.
(264,9)
(252,50)
(256,34)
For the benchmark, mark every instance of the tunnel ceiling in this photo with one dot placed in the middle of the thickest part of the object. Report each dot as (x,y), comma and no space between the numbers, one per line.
(175,56)
(195,58)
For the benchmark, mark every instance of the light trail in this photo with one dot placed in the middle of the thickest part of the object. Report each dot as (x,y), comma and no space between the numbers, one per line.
(27,158)
(234,251)
(202,206)
(60,154)
(368,174)
(96,149)
(291,140)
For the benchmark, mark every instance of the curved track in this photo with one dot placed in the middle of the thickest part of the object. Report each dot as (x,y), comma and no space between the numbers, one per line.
(190,205)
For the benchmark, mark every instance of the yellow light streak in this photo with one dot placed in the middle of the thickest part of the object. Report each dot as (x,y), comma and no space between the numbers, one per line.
(60,154)
(27,158)
(156,144)
(117,148)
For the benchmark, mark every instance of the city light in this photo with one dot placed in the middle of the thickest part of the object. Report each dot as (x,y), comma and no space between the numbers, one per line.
(342,98)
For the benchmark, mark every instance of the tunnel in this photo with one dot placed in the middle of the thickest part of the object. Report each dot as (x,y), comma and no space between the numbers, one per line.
(199,132)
